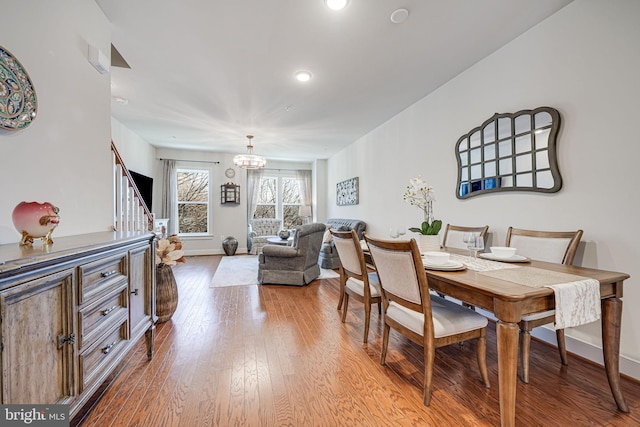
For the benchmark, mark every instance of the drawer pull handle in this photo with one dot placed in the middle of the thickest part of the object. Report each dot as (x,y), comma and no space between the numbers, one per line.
(108,273)
(135,291)
(107,349)
(106,311)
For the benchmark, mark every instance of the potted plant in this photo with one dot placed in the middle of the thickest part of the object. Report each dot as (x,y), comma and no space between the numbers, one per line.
(418,193)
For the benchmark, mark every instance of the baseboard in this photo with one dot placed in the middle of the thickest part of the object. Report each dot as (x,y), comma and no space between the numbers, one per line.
(628,367)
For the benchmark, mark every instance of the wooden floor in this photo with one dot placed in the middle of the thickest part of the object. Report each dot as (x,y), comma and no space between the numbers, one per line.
(279,356)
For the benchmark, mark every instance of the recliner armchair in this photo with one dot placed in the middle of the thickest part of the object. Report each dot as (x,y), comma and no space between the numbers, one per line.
(296,264)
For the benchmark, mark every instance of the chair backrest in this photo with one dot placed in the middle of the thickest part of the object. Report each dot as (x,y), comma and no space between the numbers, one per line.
(401,274)
(308,239)
(551,246)
(453,235)
(350,252)
(266,226)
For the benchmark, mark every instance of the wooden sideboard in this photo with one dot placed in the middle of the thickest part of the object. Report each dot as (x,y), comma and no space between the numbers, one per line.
(69,314)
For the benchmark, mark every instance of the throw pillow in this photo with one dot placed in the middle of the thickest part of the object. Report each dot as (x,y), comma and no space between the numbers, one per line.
(327,235)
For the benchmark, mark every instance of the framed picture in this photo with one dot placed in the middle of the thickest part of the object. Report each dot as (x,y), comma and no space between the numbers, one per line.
(347,192)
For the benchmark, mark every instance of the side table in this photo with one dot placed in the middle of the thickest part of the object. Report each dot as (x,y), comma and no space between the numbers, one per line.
(278,241)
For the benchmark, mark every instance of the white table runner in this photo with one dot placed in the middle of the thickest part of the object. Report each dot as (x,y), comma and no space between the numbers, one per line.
(577,298)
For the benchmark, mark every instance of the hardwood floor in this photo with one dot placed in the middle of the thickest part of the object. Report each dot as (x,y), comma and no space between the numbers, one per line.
(280,356)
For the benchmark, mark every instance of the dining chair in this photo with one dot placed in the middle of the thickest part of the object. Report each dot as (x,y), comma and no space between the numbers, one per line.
(453,238)
(453,235)
(355,279)
(551,246)
(409,308)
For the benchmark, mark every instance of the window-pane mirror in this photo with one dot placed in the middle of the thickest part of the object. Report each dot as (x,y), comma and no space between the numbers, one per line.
(510,152)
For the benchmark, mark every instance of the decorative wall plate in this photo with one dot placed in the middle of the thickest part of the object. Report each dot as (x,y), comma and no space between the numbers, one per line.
(18,103)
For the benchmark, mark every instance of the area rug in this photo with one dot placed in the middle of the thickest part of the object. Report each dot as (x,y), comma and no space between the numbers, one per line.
(241,270)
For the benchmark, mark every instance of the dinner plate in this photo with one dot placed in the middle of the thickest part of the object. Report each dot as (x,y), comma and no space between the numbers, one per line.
(515,258)
(449,266)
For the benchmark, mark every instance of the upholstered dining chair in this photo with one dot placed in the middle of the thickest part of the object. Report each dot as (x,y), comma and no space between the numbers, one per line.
(355,280)
(453,235)
(551,246)
(409,308)
(453,238)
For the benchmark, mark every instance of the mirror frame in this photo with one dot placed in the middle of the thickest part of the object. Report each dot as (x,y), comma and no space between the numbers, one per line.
(515,143)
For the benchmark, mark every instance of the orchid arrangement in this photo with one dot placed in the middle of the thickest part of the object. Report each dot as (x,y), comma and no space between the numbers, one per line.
(169,251)
(419,194)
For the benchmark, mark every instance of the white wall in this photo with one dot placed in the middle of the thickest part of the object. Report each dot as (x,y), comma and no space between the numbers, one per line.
(583,61)
(64,156)
(137,154)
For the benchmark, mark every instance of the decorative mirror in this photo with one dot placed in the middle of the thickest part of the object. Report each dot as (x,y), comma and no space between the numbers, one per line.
(510,152)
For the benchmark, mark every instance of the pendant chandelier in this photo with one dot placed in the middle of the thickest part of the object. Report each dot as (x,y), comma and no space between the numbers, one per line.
(249,160)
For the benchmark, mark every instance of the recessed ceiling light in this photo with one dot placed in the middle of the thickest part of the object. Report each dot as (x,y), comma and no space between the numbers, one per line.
(336,4)
(303,76)
(398,16)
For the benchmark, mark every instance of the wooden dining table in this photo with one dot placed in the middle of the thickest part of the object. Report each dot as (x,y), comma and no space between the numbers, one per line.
(509,301)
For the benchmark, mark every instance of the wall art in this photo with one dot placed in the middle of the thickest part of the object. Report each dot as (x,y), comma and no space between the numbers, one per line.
(18,103)
(347,192)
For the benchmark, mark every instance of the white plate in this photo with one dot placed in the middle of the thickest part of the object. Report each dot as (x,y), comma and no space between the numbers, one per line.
(515,258)
(449,266)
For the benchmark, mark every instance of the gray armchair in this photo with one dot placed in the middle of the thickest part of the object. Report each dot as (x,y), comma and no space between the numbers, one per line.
(293,265)
(260,229)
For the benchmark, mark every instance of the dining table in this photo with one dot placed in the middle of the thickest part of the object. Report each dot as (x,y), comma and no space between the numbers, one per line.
(509,301)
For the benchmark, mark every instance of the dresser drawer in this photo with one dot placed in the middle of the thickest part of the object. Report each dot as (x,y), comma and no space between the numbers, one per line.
(98,358)
(97,317)
(95,277)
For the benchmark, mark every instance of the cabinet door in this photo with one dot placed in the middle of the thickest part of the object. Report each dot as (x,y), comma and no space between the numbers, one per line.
(38,341)
(140,290)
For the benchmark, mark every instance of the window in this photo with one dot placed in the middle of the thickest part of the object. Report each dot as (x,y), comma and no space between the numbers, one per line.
(290,203)
(267,198)
(279,197)
(193,201)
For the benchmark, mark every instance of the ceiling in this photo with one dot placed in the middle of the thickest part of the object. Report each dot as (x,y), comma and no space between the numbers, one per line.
(205,73)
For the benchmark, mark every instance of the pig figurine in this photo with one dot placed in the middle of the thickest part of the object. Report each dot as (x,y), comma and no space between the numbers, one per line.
(35,220)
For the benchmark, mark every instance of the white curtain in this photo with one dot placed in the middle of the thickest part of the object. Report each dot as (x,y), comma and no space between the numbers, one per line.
(304,181)
(169,207)
(253,186)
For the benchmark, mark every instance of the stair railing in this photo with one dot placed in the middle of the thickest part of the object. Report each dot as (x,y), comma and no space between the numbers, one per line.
(130,211)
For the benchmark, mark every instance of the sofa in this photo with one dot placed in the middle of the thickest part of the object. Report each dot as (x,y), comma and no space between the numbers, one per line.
(328,257)
(293,265)
(260,229)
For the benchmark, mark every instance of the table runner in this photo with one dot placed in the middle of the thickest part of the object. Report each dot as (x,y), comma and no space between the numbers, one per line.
(481,264)
(577,298)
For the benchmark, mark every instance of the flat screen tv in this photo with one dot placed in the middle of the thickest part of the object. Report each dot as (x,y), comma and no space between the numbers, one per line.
(145,187)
